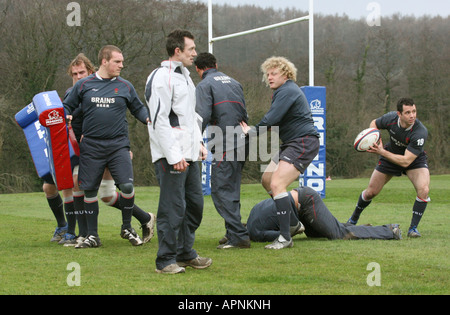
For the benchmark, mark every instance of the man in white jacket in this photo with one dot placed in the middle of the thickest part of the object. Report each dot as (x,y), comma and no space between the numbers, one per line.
(176,146)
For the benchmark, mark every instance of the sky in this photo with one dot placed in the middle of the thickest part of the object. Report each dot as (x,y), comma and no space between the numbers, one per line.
(354,9)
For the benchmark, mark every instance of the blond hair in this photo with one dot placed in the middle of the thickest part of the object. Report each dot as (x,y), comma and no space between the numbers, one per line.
(286,68)
(81,58)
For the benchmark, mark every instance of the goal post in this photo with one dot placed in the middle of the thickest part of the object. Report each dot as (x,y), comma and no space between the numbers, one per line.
(309,17)
(315,174)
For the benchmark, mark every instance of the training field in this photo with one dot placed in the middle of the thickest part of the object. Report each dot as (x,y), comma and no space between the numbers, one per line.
(30,264)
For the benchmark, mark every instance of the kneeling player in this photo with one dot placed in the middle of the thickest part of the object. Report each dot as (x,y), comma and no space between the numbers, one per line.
(317,220)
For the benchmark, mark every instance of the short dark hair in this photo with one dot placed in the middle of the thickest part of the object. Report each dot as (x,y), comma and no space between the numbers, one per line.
(176,40)
(205,61)
(106,53)
(404,101)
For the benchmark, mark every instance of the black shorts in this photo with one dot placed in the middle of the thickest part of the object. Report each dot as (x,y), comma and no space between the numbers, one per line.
(300,152)
(386,167)
(97,154)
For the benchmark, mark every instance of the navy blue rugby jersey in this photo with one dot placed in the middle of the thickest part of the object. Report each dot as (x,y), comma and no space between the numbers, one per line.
(291,112)
(103,104)
(77,119)
(412,138)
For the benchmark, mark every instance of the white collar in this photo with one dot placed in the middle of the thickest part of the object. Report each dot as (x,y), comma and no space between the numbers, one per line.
(172,65)
(100,78)
(407,129)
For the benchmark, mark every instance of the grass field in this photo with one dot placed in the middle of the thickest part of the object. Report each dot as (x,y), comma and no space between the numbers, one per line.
(30,264)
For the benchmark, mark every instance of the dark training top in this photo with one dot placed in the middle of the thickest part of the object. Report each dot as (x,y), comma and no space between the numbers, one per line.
(291,112)
(103,104)
(413,138)
(220,102)
(77,119)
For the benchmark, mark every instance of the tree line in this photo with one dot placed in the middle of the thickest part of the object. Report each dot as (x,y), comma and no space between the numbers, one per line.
(365,69)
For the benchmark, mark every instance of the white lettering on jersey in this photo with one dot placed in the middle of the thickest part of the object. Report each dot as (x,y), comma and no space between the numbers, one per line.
(103,101)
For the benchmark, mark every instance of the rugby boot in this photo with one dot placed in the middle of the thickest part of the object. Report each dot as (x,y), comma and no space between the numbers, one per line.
(148,229)
(90,242)
(280,243)
(131,235)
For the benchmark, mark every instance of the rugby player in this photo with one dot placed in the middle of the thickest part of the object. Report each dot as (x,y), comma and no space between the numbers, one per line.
(80,68)
(289,111)
(317,220)
(104,98)
(404,154)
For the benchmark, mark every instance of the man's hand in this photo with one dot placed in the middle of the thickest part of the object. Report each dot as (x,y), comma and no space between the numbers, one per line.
(203,153)
(181,166)
(245,127)
(377,148)
(69,119)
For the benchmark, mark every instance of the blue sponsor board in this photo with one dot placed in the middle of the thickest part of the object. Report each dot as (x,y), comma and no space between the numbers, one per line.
(315,174)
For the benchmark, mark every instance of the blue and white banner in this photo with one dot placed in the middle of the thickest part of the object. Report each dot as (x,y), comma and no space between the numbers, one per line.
(315,175)
(206,169)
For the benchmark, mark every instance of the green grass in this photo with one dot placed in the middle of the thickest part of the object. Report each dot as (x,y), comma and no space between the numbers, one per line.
(30,264)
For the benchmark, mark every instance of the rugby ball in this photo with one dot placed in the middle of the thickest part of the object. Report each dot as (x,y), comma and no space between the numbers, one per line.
(366,138)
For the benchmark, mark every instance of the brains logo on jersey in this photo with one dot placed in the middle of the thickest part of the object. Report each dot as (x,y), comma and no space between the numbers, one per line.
(116,91)
(54,118)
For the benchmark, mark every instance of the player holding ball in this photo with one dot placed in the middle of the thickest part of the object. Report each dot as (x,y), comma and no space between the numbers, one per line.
(404,154)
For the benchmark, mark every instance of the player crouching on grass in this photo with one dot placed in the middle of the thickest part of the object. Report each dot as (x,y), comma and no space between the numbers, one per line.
(317,220)
(404,154)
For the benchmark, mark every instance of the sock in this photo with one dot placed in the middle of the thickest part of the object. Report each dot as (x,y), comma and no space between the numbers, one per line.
(70,215)
(283,213)
(360,206)
(56,205)
(78,203)
(140,215)
(126,202)
(92,211)
(418,209)
(293,217)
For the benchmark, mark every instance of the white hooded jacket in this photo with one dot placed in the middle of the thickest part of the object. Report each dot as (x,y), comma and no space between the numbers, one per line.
(175,127)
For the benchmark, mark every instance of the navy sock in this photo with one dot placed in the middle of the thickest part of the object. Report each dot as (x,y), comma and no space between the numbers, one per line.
(126,205)
(140,215)
(78,202)
(70,215)
(360,206)
(56,205)
(283,213)
(418,210)
(92,211)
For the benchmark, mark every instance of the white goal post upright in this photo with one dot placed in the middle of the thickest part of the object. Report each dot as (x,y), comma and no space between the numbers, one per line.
(309,17)
(315,174)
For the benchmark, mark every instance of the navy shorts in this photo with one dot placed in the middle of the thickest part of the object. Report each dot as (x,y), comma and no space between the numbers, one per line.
(97,154)
(300,152)
(389,168)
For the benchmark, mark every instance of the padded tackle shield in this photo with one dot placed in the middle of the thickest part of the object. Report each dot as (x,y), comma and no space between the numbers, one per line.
(35,135)
(50,111)
(43,123)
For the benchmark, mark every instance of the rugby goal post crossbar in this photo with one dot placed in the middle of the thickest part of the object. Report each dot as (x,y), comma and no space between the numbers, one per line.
(309,17)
